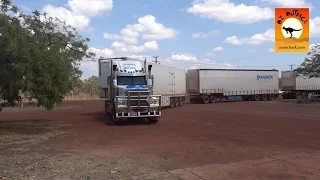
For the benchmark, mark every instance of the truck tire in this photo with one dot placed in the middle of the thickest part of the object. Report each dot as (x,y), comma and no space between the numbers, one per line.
(171,102)
(298,95)
(271,97)
(193,100)
(256,97)
(213,99)
(176,102)
(205,99)
(153,120)
(264,97)
(180,101)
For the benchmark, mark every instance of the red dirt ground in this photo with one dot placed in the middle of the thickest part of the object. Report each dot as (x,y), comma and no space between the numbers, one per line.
(189,136)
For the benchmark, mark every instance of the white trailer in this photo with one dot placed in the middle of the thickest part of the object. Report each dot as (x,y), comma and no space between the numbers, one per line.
(209,85)
(295,86)
(170,83)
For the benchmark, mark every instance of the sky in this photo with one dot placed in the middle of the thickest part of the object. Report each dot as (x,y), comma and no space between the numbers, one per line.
(182,33)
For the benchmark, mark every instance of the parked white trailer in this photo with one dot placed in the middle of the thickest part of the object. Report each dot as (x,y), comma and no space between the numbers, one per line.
(295,86)
(209,85)
(170,83)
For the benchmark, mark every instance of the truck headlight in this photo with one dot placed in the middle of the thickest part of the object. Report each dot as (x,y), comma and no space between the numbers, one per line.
(154,101)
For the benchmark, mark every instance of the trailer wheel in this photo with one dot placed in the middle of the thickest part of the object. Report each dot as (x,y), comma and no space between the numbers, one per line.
(264,97)
(205,99)
(298,95)
(256,97)
(271,97)
(213,99)
(246,98)
(180,101)
(171,102)
(176,102)
(193,100)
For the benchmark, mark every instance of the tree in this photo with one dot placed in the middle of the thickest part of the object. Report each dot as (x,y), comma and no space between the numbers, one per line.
(310,67)
(39,55)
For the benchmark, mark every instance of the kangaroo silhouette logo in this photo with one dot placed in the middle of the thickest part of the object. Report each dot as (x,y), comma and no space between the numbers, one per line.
(291,29)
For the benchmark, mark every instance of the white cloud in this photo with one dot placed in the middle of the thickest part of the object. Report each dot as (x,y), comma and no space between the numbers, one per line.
(289,3)
(315,27)
(184,57)
(147,28)
(186,60)
(89,65)
(219,48)
(229,12)
(111,36)
(204,34)
(90,8)
(147,46)
(79,14)
(267,36)
(271,50)
(77,21)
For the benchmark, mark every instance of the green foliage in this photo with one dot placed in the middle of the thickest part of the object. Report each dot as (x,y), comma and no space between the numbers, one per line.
(310,67)
(39,55)
(87,86)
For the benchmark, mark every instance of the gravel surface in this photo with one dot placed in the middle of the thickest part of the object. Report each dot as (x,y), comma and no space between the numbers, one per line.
(75,142)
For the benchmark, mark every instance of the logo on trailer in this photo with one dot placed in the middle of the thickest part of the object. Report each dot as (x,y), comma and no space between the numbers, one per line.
(264,77)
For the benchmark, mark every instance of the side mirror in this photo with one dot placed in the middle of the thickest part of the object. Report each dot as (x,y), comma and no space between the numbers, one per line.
(114,67)
(149,82)
(149,67)
(115,83)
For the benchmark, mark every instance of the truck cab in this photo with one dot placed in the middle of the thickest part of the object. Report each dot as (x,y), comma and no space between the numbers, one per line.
(127,87)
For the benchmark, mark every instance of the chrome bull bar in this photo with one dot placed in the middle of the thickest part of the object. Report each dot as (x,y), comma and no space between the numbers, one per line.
(137,105)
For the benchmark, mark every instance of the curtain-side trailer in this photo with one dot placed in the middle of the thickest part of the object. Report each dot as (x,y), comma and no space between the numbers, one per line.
(296,86)
(211,85)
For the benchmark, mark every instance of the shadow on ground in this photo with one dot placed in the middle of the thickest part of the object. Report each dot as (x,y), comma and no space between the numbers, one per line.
(27,127)
(100,116)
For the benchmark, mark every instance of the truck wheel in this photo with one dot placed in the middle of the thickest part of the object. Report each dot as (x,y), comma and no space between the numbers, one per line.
(176,102)
(205,99)
(271,97)
(153,120)
(193,100)
(171,102)
(180,101)
(213,99)
(298,95)
(264,97)
(256,97)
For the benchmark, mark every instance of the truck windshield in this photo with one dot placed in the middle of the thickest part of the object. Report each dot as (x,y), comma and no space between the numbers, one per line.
(132,80)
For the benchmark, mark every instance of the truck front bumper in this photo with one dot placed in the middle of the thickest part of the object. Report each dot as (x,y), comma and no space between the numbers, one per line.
(138,114)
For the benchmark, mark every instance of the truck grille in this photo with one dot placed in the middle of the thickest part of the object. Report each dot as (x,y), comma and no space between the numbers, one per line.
(142,103)
(137,93)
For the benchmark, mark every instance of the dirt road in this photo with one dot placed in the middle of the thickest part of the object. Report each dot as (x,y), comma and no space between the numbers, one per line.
(190,142)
